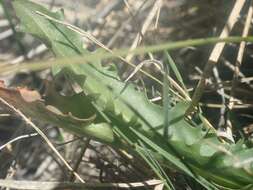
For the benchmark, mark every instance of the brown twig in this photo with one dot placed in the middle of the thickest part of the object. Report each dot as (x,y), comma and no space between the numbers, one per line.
(17,138)
(240,57)
(36,185)
(79,160)
(124,24)
(215,54)
(93,39)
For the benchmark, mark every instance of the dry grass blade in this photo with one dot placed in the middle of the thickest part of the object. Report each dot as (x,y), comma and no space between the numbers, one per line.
(39,65)
(156,63)
(218,48)
(215,54)
(240,56)
(159,187)
(30,123)
(232,68)
(94,40)
(36,185)
(32,53)
(146,24)
(79,160)
(6,34)
(16,139)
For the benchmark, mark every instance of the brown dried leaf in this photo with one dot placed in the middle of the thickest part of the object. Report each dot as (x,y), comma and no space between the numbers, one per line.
(32,105)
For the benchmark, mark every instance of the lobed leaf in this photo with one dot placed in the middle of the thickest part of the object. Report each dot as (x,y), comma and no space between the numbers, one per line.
(77,121)
(189,147)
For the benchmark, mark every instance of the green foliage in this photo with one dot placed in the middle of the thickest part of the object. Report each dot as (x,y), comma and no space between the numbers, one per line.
(66,112)
(190,148)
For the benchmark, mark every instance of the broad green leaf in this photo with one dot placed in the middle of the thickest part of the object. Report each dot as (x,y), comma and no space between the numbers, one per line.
(193,150)
(77,121)
(62,41)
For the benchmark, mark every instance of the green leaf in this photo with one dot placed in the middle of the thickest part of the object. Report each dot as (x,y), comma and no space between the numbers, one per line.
(62,41)
(192,149)
(31,104)
(175,70)
(169,155)
(154,164)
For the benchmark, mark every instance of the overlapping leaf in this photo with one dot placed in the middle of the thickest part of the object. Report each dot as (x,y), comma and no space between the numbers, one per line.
(197,152)
(74,117)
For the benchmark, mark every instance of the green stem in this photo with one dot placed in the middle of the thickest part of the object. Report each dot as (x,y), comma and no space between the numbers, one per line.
(166,100)
(141,50)
(200,87)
